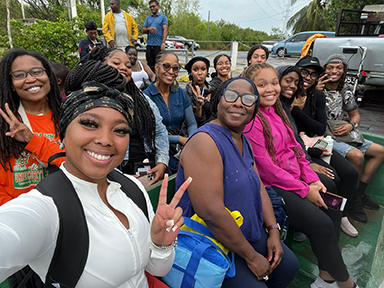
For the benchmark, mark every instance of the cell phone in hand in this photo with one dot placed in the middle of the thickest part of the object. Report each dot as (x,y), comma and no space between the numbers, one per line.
(333,201)
(320,143)
(144,177)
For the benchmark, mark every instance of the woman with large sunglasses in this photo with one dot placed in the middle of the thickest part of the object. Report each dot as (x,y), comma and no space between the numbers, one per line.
(220,159)
(30,104)
(172,101)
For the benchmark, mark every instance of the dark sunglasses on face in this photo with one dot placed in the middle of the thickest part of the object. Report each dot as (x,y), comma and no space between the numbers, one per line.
(167,67)
(247,99)
(313,75)
(152,6)
(21,74)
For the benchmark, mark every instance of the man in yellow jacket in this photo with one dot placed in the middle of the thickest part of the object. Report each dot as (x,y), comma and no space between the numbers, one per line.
(119,28)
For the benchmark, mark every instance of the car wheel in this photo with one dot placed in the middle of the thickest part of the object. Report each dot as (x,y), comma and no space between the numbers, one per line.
(280,52)
(187,46)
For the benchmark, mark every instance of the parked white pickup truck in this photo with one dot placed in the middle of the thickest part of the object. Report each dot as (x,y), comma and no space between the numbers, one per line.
(360,42)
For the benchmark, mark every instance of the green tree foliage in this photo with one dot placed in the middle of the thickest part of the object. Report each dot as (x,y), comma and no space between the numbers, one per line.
(56,40)
(310,17)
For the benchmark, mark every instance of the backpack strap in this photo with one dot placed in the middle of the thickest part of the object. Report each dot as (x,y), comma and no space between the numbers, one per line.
(72,244)
(131,189)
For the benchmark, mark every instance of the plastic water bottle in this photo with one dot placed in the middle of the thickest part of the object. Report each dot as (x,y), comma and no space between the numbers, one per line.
(329,147)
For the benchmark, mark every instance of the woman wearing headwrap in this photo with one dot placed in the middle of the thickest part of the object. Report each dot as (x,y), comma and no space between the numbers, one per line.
(149,137)
(199,91)
(94,125)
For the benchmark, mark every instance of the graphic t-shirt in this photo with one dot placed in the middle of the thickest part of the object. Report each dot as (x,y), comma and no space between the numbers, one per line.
(335,105)
(26,172)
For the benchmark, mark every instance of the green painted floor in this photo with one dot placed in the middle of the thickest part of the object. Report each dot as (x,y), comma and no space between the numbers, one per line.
(363,255)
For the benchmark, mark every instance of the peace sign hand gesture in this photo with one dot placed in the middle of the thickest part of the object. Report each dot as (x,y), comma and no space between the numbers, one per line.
(168,220)
(17,130)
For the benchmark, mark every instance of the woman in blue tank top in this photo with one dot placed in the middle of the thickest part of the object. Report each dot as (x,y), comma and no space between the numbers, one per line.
(220,160)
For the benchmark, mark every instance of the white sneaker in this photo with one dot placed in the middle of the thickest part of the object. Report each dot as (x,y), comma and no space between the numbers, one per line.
(348,228)
(320,283)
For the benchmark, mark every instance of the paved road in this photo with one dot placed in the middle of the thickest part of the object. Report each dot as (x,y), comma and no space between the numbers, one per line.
(372,114)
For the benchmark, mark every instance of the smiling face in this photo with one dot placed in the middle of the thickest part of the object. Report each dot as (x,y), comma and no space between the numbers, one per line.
(334,70)
(120,61)
(223,66)
(31,90)
(132,56)
(308,80)
(258,56)
(289,84)
(267,84)
(235,115)
(167,77)
(96,142)
(199,73)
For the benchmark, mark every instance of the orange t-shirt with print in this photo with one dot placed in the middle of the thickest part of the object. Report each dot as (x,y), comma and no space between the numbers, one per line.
(26,172)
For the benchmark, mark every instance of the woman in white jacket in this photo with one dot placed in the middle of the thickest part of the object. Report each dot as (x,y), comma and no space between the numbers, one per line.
(94,128)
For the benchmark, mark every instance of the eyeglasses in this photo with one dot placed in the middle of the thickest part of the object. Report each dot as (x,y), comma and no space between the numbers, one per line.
(222,63)
(247,99)
(167,67)
(152,6)
(313,75)
(21,74)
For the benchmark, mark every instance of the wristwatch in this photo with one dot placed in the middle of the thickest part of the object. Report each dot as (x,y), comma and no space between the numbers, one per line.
(273,226)
(354,125)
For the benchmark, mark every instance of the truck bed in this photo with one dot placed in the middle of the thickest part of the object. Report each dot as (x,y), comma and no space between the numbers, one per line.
(373,62)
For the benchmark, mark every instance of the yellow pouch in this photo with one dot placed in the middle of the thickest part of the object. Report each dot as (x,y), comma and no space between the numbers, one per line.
(236,215)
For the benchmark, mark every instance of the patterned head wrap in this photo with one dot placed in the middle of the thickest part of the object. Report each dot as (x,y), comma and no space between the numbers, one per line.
(93,95)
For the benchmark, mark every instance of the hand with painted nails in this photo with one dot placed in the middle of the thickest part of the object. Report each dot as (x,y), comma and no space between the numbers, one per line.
(17,130)
(168,220)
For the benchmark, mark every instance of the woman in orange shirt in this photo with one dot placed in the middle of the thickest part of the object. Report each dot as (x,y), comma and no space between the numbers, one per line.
(30,105)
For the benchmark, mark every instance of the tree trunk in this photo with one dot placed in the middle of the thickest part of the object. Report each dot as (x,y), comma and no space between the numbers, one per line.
(9,24)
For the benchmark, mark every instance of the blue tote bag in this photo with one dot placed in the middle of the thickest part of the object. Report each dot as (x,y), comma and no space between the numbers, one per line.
(199,262)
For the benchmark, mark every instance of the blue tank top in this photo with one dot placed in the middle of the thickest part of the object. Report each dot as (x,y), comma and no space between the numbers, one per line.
(241,183)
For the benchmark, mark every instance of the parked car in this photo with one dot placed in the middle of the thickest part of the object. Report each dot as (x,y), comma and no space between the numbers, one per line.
(294,44)
(139,44)
(269,44)
(187,44)
(169,44)
(178,45)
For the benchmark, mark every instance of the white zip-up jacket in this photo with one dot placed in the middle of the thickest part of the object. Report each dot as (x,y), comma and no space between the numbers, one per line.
(117,257)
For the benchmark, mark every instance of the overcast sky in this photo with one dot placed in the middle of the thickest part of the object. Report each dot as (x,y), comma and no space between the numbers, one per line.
(256,14)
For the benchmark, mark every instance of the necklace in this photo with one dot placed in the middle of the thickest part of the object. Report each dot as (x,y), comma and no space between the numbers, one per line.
(300,102)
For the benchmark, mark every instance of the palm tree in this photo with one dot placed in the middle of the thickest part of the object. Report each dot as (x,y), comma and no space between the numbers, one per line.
(310,18)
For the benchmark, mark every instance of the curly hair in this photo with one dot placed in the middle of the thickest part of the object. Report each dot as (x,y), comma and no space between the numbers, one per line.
(8,146)
(93,69)
(251,72)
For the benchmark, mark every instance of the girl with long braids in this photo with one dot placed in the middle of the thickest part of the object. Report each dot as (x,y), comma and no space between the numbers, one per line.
(282,165)
(149,137)
(173,103)
(30,104)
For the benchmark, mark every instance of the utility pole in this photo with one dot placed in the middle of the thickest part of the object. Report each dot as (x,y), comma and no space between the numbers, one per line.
(22,9)
(102,11)
(209,15)
(9,24)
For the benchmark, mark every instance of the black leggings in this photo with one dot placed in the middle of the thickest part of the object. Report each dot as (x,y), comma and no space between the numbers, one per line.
(346,176)
(319,226)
